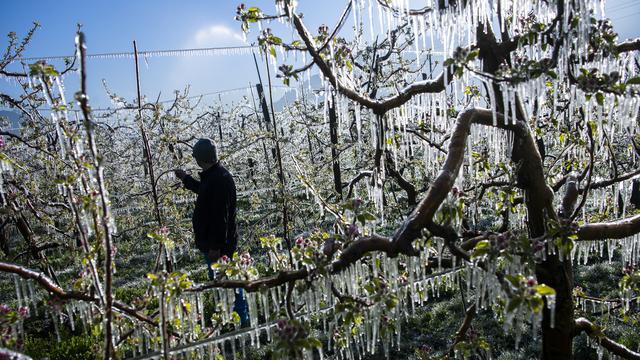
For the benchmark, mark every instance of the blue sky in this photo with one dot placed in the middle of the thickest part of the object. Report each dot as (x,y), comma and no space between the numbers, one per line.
(111,26)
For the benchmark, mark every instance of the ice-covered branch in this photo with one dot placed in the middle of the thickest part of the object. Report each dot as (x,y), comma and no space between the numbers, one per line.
(604,183)
(378,106)
(595,332)
(429,142)
(405,184)
(280,278)
(12,74)
(26,143)
(356,179)
(342,297)
(398,12)
(46,283)
(570,197)
(610,230)
(439,189)
(629,45)
(352,253)
(585,193)
(105,213)
(4,98)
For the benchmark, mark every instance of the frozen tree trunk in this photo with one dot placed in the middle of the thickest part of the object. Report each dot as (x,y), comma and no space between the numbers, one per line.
(557,339)
(557,335)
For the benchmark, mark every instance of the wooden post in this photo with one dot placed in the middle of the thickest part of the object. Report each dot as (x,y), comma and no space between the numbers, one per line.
(335,155)
(255,109)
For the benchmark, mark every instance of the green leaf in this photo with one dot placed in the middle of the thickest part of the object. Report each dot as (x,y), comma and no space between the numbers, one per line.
(481,248)
(600,98)
(575,22)
(364,217)
(275,40)
(514,279)
(473,54)
(313,342)
(483,244)
(544,290)
(272,51)
(391,302)
(634,81)
(235,318)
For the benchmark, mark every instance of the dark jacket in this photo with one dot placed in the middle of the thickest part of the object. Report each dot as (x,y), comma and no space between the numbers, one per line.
(214,217)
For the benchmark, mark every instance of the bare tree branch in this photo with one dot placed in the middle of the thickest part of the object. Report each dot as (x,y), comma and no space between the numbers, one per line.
(470,314)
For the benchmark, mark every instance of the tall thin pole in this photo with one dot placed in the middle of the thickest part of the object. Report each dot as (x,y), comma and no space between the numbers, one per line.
(154,192)
(285,212)
(145,141)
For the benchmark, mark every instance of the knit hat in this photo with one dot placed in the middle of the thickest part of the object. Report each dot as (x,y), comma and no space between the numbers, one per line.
(205,151)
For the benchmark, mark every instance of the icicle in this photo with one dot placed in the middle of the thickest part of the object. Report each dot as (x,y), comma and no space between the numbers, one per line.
(505,96)
(19,297)
(551,305)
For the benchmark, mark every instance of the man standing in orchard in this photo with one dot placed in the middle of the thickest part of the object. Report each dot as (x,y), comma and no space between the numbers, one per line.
(214,216)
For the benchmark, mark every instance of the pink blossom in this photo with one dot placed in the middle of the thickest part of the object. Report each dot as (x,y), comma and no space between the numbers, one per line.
(164,231)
